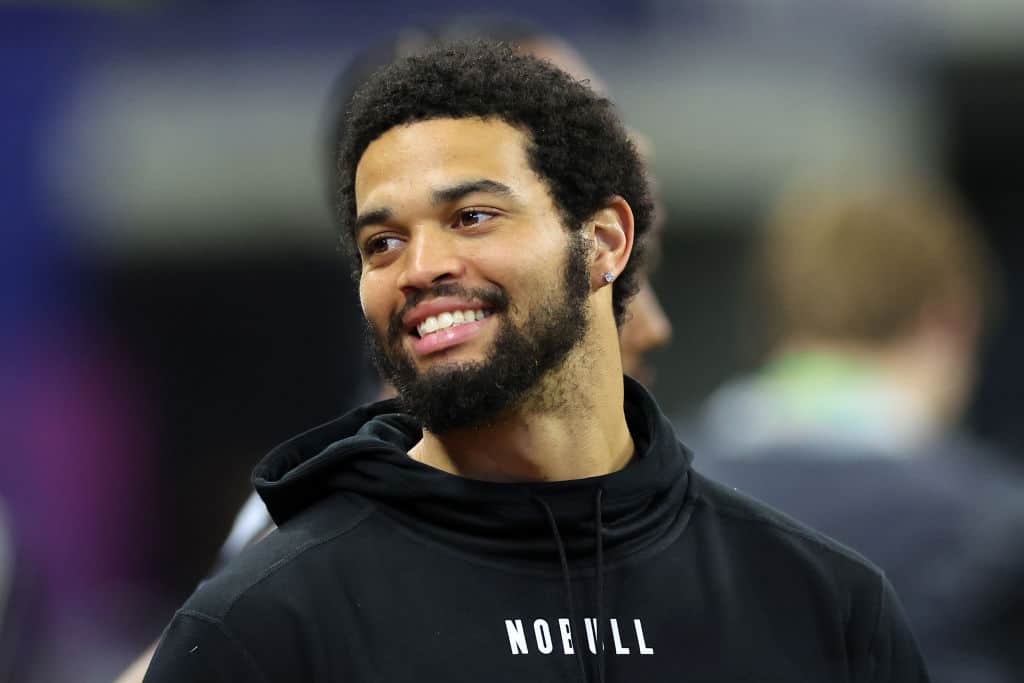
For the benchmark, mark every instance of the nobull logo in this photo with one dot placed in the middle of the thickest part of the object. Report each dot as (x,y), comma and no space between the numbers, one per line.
(546,637)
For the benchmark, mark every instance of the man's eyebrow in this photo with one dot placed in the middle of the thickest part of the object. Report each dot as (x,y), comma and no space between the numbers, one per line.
(444,195)
(456,192)
(371,217)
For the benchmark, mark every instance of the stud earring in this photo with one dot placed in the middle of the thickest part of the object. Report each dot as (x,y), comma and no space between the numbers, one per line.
(609,277)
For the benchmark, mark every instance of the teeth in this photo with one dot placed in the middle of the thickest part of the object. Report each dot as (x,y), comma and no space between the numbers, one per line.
(445,320)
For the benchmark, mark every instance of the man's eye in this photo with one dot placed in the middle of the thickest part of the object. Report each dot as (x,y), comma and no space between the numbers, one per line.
(470,217)
(379,245)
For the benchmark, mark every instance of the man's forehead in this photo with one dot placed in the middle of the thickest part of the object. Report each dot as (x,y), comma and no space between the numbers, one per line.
(454,134)
(439,152)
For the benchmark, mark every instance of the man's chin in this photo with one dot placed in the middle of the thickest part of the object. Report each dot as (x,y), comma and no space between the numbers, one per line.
(447,371)
(436,370)
(454,397)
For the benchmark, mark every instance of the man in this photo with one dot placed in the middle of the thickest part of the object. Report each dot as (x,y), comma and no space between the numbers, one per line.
(646,327)
(878,295)
(520,511)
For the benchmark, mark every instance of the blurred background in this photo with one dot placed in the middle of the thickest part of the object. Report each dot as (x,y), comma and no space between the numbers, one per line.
(172,302)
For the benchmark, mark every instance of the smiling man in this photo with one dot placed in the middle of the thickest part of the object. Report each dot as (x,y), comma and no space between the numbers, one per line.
(480,302)
(522,511)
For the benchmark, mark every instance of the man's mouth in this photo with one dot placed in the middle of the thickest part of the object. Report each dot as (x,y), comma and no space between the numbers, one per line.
(443,321)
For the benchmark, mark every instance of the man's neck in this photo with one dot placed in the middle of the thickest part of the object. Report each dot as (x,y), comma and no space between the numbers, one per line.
(584,437)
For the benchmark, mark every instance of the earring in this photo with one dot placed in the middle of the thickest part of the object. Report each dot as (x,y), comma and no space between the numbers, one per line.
(609,277)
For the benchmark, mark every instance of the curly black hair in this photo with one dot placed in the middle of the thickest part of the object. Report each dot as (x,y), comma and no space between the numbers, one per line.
(577,143)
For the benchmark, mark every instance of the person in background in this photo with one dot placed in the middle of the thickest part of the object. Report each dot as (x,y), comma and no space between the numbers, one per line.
(877,297)
(17,594)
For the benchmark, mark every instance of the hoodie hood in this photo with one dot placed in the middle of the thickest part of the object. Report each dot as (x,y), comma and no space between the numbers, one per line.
(365,452)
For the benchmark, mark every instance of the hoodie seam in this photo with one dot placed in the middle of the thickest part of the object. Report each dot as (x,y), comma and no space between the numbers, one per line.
(228,635)
(790,531)
(872,659)
(831,547)
(294,554)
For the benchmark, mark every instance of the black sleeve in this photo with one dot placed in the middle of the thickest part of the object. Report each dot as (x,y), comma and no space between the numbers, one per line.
(199,649)
(894,656)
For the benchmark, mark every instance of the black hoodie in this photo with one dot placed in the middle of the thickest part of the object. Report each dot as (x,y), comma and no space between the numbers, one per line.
(385,569)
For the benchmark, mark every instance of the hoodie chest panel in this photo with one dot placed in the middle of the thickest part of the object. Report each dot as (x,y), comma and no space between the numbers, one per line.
(409,611)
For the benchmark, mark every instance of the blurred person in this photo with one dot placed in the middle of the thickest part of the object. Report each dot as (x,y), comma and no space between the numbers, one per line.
(877,296)
(6,584)
(522,509)
(17,594)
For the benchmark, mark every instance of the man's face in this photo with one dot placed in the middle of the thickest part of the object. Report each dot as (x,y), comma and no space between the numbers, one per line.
(473,289)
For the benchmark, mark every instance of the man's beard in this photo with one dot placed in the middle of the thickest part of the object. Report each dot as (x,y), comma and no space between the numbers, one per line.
(469,395)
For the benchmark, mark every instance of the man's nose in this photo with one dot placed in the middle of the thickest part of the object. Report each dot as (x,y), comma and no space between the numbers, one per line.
(431,256)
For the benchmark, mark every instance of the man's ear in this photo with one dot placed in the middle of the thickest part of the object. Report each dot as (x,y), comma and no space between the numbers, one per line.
(611,229)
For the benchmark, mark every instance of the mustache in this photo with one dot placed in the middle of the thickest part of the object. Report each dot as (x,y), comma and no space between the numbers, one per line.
(495,300)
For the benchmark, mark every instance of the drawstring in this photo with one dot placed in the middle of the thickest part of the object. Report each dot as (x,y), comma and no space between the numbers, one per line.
(599,542)
(577,644)
(599,547)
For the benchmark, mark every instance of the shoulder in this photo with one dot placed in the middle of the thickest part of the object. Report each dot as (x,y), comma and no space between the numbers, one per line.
(305,544)
(234,627)
(800,570)
(741,524)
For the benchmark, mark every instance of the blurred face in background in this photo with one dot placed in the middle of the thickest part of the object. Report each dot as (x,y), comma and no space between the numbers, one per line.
(647,327)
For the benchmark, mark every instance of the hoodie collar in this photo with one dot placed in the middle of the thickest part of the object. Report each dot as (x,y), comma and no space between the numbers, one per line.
(366,452)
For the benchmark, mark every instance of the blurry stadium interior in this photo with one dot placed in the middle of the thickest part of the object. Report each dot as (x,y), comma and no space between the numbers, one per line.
(171,283)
